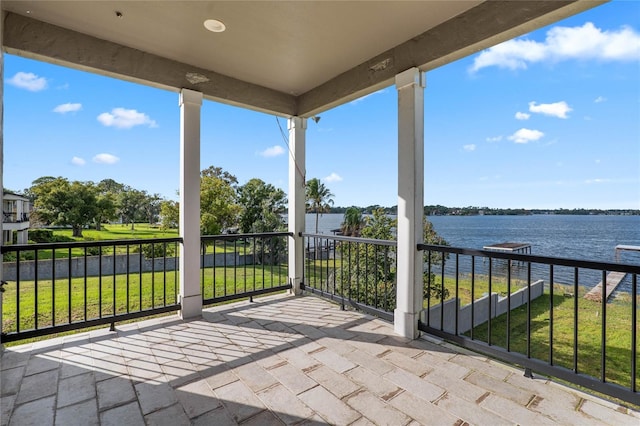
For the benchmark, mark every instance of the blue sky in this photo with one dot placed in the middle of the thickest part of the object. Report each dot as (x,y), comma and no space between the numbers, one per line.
(548,120)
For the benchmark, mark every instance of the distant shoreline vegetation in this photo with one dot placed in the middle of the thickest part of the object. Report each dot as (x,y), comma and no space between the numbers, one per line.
(486,211)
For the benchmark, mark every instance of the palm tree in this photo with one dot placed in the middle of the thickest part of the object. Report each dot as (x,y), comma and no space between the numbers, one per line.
(318,198)
(352,223)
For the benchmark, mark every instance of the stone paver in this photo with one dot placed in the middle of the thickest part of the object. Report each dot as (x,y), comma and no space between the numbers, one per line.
(338,384)
(40,412)
(81,414)
(6,405)
(38,386)
(376,410)
(241,402)
(75,389)
(128,414)
(423,412)
(278,361)
(328,406)
(285,404)
(197,398)
(114,391)
(10,381)
(173,415)
(154,396)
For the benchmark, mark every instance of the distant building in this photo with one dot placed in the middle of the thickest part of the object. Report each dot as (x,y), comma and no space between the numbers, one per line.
(15,218)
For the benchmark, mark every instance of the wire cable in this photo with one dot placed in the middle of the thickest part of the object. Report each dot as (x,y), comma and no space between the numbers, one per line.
(286,142)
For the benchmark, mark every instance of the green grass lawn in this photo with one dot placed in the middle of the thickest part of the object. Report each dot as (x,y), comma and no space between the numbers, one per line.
(589,326)
(120,232)
(123,294)
(123,232)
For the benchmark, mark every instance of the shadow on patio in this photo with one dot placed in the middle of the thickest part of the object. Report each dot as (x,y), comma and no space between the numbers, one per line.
(279,360)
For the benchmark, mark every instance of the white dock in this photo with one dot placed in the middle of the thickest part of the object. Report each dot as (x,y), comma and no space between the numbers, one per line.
(612,281)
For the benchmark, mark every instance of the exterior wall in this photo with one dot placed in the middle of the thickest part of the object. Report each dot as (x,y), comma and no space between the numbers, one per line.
(481,309)
(45,267)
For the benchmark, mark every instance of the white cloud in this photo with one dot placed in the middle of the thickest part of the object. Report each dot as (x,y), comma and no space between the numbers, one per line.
(105,159)
(470,147)
(592,181)
(333,177)
(68,107)
(563,43)
(556,109)
(125,118)
(78,161)
(273,151)
(28,81)
(494,138)
(599,99)
(522,115)
(526,135)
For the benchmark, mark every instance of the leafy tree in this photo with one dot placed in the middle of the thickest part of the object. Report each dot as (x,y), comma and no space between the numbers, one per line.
(371,277)
(106,208)
(151,208)
(261,206)
(352,223)
(111,186)
(218,172)
(60,202)
(218,207)
(318,198)
(131,204)
(169,214)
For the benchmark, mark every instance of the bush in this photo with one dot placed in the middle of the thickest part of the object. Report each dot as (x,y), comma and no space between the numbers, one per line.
(151,251)
(41,235)
(47,236)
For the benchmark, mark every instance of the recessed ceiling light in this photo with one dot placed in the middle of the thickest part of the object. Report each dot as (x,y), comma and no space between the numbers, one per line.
(214,25)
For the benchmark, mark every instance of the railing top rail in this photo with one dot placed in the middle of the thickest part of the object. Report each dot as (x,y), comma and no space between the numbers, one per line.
(547,260)
(352,239)
(240,236)
(75,244)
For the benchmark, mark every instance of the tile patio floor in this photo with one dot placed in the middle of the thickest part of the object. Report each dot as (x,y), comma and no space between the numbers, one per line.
(279,360)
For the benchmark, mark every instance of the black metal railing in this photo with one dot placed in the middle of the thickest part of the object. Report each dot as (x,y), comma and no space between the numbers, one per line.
(238,266)
(59,287)
(13,217)
(359,272)
(539,312)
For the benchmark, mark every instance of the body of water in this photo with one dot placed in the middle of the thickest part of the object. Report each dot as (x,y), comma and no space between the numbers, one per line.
(566,236)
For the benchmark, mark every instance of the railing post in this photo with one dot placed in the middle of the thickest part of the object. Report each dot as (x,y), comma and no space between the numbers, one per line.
(190,289)
(297,134)
(410,85)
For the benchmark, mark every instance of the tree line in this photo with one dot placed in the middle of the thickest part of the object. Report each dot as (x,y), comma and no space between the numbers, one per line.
(439,210)
(255,206)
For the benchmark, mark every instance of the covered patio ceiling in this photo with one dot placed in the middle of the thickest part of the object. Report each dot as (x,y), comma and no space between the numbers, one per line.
(289,58)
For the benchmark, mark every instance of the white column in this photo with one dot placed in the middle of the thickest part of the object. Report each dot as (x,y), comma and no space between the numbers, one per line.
(410,85)
(296,198)
(190,295)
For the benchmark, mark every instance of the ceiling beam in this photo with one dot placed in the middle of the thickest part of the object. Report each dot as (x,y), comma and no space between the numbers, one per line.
(483,26)
(49,43)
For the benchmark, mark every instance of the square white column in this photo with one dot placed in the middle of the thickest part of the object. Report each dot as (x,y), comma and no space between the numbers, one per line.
(410,85)
(296,198)
(190,294)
